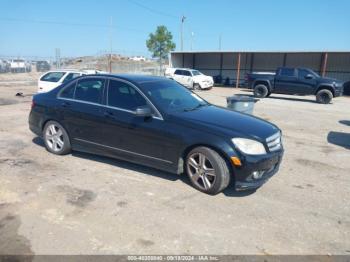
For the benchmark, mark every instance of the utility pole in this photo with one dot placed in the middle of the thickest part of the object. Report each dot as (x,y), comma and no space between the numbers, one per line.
(324,64)
(111,44)
(238,70)
(192,36)
(58,58)
(182,32)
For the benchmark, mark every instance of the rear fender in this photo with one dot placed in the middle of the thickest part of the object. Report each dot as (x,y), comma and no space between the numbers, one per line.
(262,82)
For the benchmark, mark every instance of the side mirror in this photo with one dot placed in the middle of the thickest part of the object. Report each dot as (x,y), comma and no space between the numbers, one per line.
(309,76)
(143,111)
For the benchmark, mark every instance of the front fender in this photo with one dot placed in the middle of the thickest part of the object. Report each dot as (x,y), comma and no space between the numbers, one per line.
(325,86)
(219,144)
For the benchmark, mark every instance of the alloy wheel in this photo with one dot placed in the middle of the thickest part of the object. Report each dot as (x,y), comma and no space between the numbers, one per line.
(54,138)
(201,171)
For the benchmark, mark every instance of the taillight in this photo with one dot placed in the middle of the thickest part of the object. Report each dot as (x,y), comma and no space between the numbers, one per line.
(33,104)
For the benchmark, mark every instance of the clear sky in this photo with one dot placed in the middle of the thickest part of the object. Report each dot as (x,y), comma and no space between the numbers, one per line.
(80,27)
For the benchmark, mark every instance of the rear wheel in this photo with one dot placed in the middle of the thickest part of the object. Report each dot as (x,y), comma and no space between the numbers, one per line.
(324,96)
(261,91)
(207,170)
(56,138)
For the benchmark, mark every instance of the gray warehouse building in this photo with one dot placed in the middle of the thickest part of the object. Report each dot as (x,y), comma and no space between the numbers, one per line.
(234,65)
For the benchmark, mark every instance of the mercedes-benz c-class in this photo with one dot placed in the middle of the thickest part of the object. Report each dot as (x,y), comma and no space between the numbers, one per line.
(157,122)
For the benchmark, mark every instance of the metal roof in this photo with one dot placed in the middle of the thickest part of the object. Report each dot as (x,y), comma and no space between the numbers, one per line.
(245,51)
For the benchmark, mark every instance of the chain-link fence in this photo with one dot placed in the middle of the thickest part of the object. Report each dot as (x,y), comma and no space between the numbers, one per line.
(117,64)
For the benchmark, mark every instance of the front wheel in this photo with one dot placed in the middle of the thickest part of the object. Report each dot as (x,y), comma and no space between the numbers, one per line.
(324,96)
(196,86)
(207,170)
(56,138)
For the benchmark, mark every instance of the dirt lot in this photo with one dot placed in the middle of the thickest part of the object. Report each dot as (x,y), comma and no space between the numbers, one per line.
(84,204)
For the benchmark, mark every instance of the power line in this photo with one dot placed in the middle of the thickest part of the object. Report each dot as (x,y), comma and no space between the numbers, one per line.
(153,10)
(68,23)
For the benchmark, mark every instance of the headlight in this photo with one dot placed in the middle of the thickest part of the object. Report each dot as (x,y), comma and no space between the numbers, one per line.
(249,146)
(337,84)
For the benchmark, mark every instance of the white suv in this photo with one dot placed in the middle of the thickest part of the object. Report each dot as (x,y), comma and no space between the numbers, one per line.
(52,79)
(190,78)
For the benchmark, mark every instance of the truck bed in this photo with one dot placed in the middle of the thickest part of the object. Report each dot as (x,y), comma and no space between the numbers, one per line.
(252,77)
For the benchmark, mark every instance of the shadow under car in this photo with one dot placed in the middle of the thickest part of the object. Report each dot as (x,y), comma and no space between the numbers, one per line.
(339,138)
(229,191)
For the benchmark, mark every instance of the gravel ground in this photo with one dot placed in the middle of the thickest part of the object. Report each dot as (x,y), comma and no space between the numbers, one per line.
(86,204)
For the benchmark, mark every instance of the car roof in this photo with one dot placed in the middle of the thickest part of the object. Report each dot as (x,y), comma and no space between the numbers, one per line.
(291,67)
(185,69)
(134,78)
(66,70)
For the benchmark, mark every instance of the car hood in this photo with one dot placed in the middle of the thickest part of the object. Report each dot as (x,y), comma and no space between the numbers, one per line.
(329,80)
(202,78)
(227,122)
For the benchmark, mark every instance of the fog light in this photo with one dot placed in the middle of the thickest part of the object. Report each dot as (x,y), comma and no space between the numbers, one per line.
(257,174)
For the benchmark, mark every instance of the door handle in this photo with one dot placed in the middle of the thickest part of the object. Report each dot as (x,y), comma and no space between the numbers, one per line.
(65,104)
(108,114)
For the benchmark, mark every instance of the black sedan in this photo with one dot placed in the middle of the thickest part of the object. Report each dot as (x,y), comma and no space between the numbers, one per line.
(157,122)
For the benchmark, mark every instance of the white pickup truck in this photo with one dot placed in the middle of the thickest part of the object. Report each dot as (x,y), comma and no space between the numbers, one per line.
(190,78)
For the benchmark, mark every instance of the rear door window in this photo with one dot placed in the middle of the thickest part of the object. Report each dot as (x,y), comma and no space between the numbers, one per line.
(53,76)
(124,96)
(289,72)
(89,90)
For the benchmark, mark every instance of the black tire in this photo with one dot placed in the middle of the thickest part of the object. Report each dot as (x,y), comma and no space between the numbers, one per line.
(196,86)
(53,141)
(261,91)
(324,96)
(214,162)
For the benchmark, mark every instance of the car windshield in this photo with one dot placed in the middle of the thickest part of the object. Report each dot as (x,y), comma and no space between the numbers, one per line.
(196,73)
(169,96)
(313,73)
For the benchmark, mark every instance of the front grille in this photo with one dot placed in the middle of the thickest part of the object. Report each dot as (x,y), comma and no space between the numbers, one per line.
(274,142)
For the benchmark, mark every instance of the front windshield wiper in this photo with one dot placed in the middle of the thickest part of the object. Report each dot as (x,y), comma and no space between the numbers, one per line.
(194,108)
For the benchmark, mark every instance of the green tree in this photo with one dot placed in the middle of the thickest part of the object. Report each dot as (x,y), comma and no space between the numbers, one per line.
(160,43)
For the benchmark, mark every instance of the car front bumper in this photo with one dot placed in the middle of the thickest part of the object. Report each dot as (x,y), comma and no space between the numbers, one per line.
(206,85)
(268,164)
(338,92)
